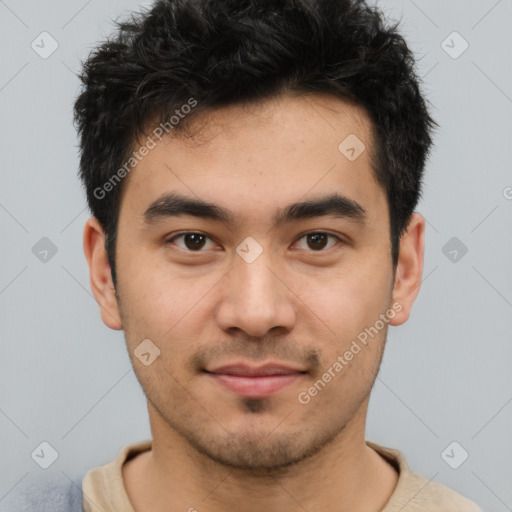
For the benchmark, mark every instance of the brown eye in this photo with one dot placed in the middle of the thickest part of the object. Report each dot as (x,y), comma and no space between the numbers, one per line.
(191,242)
(318,241)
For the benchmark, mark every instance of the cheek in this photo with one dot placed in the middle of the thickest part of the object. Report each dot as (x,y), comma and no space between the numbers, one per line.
(160,304)
(146,281)
(355,300)
(351,306)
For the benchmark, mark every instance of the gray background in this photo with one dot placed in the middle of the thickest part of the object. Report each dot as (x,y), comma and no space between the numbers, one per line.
(66,379)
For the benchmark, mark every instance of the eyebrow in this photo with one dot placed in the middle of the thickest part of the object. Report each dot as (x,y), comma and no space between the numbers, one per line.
(175,205)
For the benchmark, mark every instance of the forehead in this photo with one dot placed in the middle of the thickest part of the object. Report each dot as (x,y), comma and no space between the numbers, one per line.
(262,155)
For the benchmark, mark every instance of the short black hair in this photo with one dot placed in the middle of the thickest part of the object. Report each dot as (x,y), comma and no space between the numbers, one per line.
(223,52)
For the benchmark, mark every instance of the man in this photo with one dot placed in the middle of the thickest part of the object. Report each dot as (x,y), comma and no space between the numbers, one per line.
(252,169)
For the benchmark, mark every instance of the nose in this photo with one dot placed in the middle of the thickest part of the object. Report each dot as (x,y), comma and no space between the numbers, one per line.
(256,298)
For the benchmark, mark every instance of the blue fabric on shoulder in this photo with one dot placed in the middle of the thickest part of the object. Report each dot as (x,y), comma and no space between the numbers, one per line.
(44,497)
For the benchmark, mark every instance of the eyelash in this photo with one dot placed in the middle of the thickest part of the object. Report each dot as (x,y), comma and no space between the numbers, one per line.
(170,240)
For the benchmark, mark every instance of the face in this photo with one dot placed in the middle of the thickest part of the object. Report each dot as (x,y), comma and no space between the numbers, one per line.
(255,284)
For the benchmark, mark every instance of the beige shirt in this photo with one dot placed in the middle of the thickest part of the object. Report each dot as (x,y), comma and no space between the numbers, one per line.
(103,487)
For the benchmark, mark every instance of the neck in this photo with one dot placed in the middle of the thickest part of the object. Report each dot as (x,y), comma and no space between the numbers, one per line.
(346,475)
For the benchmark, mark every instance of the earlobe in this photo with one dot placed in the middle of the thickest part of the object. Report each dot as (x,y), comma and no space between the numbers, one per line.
(100,274)
(409,269)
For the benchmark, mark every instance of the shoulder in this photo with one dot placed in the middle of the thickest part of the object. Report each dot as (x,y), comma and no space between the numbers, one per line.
(415,493)
(44,496)
(420,494)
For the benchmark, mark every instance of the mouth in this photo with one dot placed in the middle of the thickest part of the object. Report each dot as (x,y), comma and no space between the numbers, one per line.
(255,382)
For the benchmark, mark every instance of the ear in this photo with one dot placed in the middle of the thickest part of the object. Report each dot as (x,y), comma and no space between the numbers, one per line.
(100,274)
(409,269)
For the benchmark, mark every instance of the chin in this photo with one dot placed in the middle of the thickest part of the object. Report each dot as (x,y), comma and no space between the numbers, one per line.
(265,452)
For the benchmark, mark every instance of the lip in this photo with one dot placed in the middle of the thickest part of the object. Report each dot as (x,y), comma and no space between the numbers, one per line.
(256,382)
(247,370)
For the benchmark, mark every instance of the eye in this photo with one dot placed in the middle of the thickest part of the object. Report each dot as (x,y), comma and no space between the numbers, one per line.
(195,242)
(318,240)
(192,242)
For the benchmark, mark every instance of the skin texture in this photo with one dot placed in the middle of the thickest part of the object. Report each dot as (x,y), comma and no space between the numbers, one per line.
(212,449)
